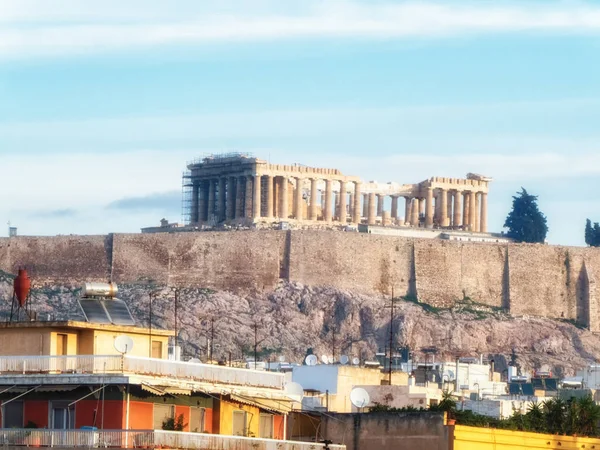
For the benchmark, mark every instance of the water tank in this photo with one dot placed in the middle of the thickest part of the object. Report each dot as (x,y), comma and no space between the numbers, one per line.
(99,290)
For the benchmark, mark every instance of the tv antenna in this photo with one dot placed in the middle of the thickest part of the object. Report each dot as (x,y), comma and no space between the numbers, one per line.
(359,397)
(311,360)
(123,344)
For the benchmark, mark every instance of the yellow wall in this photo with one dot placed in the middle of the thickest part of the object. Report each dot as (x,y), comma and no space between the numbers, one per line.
(475,438)
(227,409)
(348,378)
(103,343)
(15,342)
(37,341)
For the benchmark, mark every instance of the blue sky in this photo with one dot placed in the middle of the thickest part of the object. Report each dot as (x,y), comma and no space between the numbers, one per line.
(102,103)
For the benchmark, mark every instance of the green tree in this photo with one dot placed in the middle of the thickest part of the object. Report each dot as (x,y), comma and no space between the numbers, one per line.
(526,223)
(589,232)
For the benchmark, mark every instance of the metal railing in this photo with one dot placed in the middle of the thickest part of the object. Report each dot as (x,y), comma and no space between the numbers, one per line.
(147,439)
(115,364)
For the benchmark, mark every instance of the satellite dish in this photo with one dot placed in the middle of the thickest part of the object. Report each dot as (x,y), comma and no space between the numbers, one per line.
(195,361)
(281,358)
(311,360)
(331,360)
(359,397)
(294,390)
(123,344)
(324,359)
(355,361)
(344,359)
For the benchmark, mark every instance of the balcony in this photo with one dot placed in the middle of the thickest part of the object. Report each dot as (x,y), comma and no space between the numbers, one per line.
(147,439)
(135,365)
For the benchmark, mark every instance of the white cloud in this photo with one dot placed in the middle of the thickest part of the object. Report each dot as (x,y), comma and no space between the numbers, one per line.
(37,28)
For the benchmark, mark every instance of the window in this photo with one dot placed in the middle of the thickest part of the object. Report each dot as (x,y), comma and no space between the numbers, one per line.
(157,349)
(197,420)
(161,413)
(62,416)
(61,344)
(265,428)
(239,423)
(12,415)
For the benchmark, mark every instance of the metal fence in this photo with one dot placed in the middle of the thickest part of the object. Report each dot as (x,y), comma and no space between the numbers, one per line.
(147,439)
(112,364)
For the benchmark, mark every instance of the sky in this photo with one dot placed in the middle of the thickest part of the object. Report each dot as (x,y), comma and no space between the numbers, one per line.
(102,103)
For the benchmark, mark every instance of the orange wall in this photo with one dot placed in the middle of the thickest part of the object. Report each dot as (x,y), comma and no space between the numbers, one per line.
(185,410)
(140,415)
(37,412)
(114,414)
(278,425)
(208,420)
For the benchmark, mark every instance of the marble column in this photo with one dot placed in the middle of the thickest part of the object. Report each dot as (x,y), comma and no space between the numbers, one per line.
(270,196)
(336,205)
(407,209)
(256,188)
(194,205)
(212,197)
(457,222)
(343,199)
(380,199)
(351,206)
(394,208)
(429,208)
(230,198)
(356,208)
(283,199)
(298,201)
(202,202)
(444,208)
(472,210)
(248,199)
(414,216)
(239,197)
(466,212)
(477,211)
(372,215)
(483,220)
(449,197)
(312,209)
(222,198)
(328,200)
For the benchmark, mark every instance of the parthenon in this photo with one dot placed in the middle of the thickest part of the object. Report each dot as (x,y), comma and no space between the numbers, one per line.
(237,187)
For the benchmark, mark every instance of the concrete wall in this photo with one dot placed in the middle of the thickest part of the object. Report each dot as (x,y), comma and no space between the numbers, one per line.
(388,431)
(529,279)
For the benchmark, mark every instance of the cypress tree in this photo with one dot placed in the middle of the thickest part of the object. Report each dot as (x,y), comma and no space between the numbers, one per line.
(526,223)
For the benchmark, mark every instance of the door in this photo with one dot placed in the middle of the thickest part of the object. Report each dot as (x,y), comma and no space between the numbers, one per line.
(62,416)
(197,420)
(161,414)
(239,423)
(265,427)
(61,344)
(12,415)
(157,349)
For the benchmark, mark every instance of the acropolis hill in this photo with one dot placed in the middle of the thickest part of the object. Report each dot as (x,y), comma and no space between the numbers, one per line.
(539,280)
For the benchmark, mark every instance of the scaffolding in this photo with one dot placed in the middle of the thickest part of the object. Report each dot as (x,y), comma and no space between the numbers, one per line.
(186,197)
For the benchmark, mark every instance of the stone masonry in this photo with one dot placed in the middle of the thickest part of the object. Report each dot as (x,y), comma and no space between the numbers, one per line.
(539,280)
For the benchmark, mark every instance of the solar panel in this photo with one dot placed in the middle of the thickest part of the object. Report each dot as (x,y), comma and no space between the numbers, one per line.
(527,389)
(538,383)
(118,312)
(94,311)
(551,384)
(514,389)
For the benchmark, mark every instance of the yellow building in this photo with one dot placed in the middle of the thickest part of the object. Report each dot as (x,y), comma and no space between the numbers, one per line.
(79,338)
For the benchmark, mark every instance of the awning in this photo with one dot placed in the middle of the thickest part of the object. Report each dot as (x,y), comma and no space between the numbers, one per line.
(273,406)
(165,390)
(44,388)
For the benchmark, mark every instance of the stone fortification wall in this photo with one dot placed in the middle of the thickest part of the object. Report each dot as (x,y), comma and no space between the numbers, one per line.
(528,279)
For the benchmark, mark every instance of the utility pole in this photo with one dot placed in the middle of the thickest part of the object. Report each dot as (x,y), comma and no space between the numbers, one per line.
(150,295)
(255,343)
(333,344)
(391,338)
(212,336)
(176,337)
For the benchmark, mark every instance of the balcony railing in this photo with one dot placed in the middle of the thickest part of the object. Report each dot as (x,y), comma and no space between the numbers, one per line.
(147,439)
(128,365)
